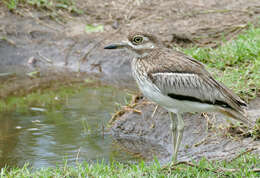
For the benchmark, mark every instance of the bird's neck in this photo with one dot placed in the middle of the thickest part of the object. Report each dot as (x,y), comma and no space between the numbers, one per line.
(147,53)
(146,61)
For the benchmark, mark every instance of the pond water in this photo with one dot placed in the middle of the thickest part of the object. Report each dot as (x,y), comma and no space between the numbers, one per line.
(74,133)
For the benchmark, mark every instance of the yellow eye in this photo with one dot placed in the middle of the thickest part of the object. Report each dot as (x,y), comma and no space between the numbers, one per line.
(137,39)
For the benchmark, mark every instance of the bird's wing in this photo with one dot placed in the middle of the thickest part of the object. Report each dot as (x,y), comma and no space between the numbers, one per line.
(185,86)
(187,79)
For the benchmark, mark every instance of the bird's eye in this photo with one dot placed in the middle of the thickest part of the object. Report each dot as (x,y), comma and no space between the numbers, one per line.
(137,39)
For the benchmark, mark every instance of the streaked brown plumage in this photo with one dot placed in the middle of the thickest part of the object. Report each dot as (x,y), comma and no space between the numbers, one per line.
(179,63)
(178,83)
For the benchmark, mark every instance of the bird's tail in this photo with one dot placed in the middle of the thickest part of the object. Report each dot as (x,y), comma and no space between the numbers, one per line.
(239,116)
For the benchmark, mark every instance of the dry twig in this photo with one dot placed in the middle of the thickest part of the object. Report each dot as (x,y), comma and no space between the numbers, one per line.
(193,165)
(217,170)
(241,154)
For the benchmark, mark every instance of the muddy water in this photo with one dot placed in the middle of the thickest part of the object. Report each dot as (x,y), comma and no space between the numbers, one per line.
(74,133)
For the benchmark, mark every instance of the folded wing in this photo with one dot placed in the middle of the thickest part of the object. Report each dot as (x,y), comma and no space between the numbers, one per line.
(190,87)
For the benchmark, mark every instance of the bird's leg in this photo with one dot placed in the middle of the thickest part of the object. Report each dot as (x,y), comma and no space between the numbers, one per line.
(156,107)
(174,123)
(177,126)
(180,129)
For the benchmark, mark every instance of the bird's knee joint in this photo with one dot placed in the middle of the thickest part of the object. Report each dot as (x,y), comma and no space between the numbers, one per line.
(180,127)
(173,127)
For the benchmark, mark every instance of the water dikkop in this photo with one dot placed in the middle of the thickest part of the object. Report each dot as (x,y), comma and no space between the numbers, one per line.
(178,83)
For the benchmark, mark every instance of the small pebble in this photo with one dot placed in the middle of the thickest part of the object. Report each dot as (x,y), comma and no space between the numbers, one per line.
(37,109)
(56,98)
(32,60)
(32,129)
(18,127)
(115,25)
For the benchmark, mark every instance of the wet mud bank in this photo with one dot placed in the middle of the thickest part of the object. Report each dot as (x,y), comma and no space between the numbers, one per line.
(31,50)
(205,135)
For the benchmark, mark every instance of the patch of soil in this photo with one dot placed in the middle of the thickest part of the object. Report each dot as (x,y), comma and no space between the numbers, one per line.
(204,22)
(205,135)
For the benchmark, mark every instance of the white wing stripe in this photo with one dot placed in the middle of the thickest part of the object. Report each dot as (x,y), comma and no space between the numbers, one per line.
(186,84)
(174,74)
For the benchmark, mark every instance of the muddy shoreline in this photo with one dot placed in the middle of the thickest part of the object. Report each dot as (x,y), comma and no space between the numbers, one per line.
(33,42)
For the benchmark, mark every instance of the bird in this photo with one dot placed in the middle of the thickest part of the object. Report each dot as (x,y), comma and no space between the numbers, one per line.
(178,83)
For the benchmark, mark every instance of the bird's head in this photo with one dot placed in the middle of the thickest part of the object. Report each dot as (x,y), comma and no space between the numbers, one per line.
(139,43)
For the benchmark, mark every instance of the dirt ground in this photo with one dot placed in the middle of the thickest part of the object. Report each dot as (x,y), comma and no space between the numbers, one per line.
(203,22)
(32,34)
(32,40)
(205,135)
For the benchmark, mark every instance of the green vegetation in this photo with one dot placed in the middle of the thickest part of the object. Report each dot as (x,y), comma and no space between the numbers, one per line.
(11,4)
(244,166)
(237,62)
(94,28)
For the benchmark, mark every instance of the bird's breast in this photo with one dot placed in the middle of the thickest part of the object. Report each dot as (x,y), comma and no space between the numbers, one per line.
(143,81)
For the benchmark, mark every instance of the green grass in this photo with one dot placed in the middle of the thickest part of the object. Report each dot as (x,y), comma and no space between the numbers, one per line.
(240,167)
(11,4)
(236,63)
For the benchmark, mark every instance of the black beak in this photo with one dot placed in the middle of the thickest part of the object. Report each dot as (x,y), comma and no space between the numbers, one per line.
(123,44)
(112,46)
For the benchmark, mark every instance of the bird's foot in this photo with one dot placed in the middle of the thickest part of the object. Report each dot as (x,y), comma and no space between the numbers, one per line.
(174,160)
(171,165)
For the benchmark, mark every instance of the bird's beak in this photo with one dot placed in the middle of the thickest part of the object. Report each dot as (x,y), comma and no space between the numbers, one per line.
(117,45)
